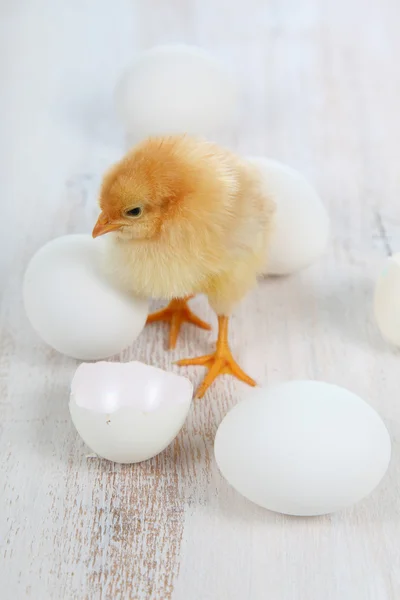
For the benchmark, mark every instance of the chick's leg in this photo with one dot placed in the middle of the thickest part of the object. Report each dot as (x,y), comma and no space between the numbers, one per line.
(219,363)
(176,313)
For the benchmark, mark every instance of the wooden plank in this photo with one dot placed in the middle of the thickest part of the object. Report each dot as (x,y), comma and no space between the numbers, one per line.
(320,92)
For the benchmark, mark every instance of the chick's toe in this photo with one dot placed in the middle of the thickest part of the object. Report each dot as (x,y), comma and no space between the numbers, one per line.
(176,313)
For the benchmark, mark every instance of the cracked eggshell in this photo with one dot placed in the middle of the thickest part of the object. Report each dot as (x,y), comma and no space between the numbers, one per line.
(300,230)
(128,412)
(387,300)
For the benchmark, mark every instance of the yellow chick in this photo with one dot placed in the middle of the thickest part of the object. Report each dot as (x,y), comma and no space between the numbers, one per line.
(187,217)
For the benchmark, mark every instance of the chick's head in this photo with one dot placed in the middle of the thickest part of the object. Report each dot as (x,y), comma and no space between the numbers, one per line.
(144,191)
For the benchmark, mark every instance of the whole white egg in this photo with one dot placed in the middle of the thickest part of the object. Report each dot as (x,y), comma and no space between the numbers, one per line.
(128,412)
(173,89)
(72,305)
(303,448)
(387,300)
(301,225)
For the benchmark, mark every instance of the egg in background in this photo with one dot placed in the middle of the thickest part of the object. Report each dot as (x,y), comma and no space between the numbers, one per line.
(300,232)
(303,448)
(73,306)
(387,300)
(128,412)
(174,89)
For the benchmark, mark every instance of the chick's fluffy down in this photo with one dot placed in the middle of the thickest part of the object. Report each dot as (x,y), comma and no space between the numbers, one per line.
(214,234)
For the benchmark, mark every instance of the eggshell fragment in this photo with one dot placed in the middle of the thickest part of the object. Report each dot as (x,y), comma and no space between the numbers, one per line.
(128,412)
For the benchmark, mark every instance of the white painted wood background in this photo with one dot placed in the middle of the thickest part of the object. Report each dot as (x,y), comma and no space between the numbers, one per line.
(321,83)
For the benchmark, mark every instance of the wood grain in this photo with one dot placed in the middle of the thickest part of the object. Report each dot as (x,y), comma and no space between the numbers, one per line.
(321,85)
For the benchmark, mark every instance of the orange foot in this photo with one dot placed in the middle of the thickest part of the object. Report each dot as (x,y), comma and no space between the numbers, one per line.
(219,363)
(176,313)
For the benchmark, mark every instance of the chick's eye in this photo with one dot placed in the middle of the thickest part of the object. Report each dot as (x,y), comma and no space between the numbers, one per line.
(134,212)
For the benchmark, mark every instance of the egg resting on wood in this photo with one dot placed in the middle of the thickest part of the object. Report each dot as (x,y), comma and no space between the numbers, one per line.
(72,304)
(175,89)
(301,224)
(187,217)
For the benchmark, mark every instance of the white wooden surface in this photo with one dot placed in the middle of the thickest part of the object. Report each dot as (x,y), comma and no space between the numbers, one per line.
(321,92)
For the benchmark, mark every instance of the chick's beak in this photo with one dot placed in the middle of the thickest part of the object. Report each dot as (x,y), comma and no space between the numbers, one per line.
(104,225)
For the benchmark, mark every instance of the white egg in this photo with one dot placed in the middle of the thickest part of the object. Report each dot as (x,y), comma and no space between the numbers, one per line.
(128,412)
(73,306)
(301,227)
(387,300)
(175,89)
(303,448)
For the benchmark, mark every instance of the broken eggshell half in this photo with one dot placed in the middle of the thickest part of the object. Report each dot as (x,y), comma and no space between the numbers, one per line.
(128,412)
